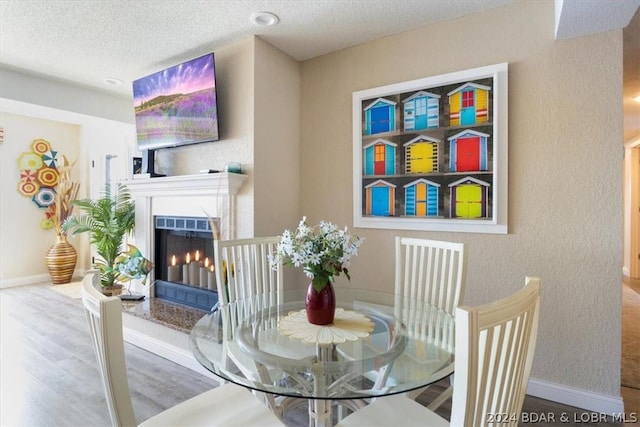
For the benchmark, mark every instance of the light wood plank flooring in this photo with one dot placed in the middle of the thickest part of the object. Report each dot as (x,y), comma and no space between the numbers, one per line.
(49,377)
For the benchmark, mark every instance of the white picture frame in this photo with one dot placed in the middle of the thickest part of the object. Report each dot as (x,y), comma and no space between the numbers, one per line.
(432,154)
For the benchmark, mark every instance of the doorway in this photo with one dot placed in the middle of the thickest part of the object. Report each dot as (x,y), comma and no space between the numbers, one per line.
(630,360)
(631,189)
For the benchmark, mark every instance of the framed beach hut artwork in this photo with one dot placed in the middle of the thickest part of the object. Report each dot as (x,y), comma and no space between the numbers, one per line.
(380,158)
(421,155)
(380,197)
(431,153)
(380,116)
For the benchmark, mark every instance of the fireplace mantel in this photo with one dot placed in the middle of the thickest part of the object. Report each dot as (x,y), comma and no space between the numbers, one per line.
(206,184)
(211,194)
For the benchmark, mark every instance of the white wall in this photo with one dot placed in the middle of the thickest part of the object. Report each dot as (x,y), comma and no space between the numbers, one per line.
(565,180)
(24,243)
(95,136)
(64,97)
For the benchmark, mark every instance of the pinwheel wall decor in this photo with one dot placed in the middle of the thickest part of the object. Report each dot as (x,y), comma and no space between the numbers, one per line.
(39,178)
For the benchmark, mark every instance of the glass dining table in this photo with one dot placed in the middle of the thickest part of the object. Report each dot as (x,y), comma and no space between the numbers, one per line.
(379,344)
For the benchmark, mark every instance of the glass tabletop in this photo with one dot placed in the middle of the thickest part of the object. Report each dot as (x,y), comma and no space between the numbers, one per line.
(379,344)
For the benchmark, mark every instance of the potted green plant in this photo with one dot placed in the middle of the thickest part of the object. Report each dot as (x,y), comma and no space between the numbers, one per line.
(109,219)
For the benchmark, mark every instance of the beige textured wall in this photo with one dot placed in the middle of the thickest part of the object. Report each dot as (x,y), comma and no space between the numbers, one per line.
(235,90)
(276,139)
(565,180)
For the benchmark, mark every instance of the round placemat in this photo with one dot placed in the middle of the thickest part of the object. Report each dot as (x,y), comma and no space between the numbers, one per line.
(347,326)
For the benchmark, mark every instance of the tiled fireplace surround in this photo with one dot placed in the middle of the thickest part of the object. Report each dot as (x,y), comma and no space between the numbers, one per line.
(191,196)
(187,196)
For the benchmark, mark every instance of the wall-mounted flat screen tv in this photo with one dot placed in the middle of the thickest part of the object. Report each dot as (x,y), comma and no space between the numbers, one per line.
(177,106)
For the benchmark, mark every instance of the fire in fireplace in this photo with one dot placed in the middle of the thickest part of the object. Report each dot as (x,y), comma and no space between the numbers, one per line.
(183,258)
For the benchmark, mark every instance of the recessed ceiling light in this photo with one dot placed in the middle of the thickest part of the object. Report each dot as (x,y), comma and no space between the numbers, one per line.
(113,81)
(636,98)
(264,19)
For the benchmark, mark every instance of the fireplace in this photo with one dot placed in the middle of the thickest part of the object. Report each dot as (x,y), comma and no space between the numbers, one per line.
(178,207)
(183,260)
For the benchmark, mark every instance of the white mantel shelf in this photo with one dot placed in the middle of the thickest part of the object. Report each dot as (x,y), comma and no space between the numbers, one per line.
(205,184)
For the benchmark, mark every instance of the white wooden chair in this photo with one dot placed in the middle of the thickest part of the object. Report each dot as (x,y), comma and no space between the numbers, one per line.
(243,270)
(495,345)
(433,272)
(226,405)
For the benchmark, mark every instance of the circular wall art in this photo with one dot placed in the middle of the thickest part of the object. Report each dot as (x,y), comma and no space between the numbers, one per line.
(39,177)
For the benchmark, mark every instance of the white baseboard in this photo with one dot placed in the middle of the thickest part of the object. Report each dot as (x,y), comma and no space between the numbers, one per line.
(583,399)
(33,280)
(24,281)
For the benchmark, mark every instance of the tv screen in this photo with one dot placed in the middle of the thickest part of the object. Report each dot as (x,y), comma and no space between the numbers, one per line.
(177,106)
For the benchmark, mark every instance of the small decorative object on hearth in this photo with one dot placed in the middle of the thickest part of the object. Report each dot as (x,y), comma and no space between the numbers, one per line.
(132,265)
(62,256)
(324,252)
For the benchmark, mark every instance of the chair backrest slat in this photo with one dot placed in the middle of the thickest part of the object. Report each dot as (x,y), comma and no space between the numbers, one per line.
(495,345)
(104,317)
(248,272)
(431,273)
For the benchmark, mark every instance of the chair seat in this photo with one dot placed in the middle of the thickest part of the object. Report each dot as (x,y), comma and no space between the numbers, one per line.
(397,410)
(238,407)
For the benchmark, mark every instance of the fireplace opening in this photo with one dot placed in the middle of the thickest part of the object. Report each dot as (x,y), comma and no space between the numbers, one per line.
(183,260)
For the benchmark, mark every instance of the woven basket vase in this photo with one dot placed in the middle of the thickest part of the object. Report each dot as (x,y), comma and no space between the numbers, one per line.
(61,261)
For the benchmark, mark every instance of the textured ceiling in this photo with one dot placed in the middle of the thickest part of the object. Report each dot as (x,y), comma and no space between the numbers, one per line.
(86,42)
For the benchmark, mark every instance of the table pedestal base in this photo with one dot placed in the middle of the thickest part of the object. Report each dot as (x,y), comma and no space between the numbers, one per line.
(320,409)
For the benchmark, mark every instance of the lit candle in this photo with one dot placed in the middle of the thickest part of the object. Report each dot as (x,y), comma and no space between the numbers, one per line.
(185,269)
(173,272)
(203,273)
(194,267)
(211,279)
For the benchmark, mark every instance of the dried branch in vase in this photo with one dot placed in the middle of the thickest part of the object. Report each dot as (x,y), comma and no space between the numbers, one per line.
(66,192)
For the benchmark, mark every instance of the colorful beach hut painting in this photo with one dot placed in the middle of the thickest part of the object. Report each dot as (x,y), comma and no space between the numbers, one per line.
(380,117)
(380,158)
(469,197)
(421,198)
(380,198)
(421,155)
(421,111)
(469,105)
(468,151)
(431,154)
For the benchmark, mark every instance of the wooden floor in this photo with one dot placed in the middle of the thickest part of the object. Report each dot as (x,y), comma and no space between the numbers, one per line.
(630,363)
(49,377)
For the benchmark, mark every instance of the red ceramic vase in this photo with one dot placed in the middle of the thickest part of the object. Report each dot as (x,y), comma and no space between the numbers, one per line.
(320,305)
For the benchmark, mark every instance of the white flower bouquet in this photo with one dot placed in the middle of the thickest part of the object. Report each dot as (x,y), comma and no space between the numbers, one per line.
(322,250)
